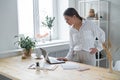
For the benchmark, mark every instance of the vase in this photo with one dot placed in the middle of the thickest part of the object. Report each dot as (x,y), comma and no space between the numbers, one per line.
(26,53)
(50,36)
(110,66)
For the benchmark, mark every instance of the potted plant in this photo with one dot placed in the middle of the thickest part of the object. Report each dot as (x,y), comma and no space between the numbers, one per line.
(49,23)
(27,44)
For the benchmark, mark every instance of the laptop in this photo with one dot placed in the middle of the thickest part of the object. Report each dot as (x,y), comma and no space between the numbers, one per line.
(50,60)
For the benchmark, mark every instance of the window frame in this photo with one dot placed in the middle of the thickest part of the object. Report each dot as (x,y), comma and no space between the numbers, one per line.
(36,19)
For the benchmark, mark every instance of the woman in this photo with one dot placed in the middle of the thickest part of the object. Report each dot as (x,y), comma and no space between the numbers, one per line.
(82,38)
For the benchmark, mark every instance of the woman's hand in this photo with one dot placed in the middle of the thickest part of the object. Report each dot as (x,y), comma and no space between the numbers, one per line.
(62,59)
(93,50)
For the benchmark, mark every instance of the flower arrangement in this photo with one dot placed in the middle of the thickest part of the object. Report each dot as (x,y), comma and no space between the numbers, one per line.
(49,23)
(106,47)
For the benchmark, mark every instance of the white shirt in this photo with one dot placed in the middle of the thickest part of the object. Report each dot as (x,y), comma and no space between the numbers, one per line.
(84,38)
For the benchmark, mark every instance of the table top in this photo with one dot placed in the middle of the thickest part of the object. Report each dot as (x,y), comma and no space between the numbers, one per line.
(17,69)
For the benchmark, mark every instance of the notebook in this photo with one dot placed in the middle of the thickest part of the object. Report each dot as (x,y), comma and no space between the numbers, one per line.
(50,60)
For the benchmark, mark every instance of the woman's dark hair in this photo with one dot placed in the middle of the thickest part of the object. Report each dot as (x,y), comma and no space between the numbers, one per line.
(71,12)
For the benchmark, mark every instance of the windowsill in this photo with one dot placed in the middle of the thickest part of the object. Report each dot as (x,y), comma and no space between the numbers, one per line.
(50,46)
(51,43)
(55,45)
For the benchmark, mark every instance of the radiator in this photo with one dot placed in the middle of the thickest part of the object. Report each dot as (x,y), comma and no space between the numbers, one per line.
(62,53)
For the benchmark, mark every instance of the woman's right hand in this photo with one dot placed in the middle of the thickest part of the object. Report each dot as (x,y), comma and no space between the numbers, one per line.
(62,59)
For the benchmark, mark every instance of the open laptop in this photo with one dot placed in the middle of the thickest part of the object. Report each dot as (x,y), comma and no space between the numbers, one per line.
(50,60)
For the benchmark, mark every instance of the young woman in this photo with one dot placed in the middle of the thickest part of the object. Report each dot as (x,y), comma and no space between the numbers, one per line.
(83,35)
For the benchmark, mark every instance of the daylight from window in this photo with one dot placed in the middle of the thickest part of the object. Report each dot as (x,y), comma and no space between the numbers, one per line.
(25,13)
(43,12)
(25,17)
(31,14)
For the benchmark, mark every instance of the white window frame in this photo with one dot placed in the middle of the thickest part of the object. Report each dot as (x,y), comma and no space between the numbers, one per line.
(36,19)
(60,27)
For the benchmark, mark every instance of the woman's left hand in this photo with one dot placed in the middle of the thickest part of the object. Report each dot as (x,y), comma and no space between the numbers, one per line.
(93,50)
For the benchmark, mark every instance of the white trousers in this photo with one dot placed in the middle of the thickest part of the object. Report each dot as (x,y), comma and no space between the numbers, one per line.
(84,57)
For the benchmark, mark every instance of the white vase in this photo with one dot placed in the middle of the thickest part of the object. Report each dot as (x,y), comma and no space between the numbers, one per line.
(50,35)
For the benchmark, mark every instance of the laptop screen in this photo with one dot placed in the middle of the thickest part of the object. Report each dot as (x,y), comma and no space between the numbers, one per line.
(50,59)
(44,53)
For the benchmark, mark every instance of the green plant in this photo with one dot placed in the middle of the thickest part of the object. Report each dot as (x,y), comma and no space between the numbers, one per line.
(48,22)
(26,42)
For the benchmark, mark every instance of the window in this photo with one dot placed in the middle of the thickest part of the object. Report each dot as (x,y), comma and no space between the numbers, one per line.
(32,12)
(43,11)
(25,17)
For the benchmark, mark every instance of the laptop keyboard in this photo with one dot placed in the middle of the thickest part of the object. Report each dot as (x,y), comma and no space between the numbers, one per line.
(54,60)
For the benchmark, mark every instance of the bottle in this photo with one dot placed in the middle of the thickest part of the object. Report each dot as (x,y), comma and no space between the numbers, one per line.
(37,66)
(96,45)
(96,42)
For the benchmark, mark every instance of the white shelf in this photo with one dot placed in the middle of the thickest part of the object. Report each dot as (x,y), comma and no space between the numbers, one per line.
(101,18)
(104,58)
(100,59)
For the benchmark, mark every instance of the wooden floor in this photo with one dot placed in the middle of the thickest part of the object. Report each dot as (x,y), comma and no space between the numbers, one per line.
(17,69)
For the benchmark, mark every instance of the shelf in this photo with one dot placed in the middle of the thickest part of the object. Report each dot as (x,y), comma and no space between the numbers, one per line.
(98,12)
(101,59)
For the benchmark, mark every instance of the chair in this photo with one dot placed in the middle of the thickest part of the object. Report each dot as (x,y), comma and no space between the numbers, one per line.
(116,59)
(117,65)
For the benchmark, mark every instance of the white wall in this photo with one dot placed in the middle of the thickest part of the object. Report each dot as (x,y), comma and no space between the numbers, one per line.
(115,28)
(115,22)
(8,24)
(72,3)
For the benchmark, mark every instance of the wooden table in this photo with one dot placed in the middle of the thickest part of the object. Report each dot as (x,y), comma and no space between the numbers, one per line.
(17,69)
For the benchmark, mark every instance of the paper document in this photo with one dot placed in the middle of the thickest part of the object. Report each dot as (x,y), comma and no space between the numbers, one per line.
(49,67)
(70,65)
(73,66)
(44,66)
(83,69)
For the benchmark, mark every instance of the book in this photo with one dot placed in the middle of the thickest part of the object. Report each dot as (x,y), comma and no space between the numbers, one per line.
(73,66)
